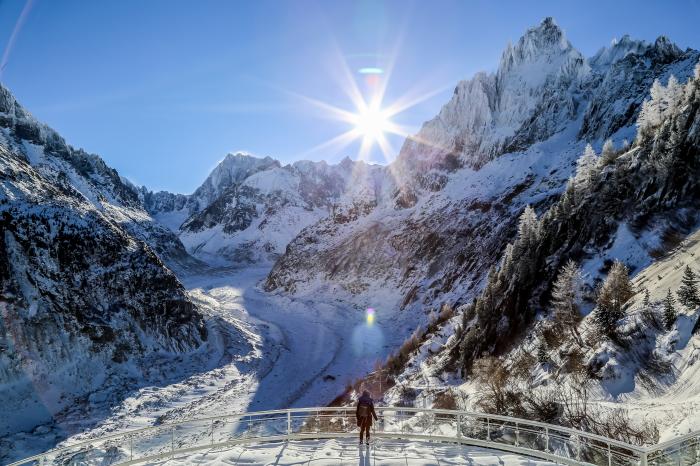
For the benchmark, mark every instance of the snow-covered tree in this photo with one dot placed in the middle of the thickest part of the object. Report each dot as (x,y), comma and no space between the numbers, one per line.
(542,354)
(663,101)
(568,199)
(646,302)
(586,168)
(567,295)
(608,155)
(507,261)
(670,314)
(528,229)
(688,292)
(653,108)
(674,94)
(613,294)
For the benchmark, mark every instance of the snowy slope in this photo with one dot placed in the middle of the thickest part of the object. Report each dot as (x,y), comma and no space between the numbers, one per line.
(634,207)
(80,297)
(675,396)
(88,310)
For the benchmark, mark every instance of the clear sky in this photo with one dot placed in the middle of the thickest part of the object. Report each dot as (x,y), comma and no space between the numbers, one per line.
(163,89)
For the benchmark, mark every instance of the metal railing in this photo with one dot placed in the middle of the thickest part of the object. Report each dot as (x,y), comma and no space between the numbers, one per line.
(528,438)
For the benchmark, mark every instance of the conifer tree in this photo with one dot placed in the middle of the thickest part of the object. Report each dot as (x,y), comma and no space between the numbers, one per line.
(586,167)
(542,355)
(674,94)
(528,227)
(608,155)
(567,295)
(646,302)
(613,294)
(670,314)
(652,111)
(688,293)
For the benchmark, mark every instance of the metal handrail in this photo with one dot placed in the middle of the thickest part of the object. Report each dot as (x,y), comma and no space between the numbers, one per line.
(574,442)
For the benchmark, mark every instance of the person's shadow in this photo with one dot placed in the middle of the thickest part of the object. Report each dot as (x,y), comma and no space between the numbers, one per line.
(364,456)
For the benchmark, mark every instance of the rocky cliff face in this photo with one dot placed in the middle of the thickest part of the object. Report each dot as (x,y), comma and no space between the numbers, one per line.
(49,154)
(533,94)
(82,293)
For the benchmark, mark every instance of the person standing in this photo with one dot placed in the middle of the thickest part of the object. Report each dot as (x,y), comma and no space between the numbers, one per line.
(365,413)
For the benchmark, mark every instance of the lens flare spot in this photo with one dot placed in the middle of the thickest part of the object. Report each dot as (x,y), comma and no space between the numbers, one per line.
(370,70)
(372,80)
(370,316)
(368,339)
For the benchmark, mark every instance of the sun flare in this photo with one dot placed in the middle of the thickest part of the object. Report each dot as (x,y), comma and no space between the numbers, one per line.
(370,119)
(372,123)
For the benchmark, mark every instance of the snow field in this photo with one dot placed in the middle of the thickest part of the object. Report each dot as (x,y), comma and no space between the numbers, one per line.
(347,451)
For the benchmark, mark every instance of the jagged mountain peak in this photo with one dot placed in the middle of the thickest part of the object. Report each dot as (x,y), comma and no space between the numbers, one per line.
(666,50)
(544,46)
(619,49)
(545,37)
(233,169)
(529,98)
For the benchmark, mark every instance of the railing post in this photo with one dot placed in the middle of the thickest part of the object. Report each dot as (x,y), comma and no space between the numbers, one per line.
(488,429)
(609,456)
(546,439)
(131,448)
(517,435)
(679,455)
(289,424)
(459,426)
(643,459)
(578,447)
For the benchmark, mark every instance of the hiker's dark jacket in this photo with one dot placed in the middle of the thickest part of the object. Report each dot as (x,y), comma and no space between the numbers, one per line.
(365,411)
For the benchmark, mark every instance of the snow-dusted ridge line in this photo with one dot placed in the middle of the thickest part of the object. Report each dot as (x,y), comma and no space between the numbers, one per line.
(550,442)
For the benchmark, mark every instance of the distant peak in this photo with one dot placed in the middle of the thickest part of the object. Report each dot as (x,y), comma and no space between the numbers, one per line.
(666,49)
(548,22)
(663,42)
(544,40)
(619,49)
(548,32)
(240,155)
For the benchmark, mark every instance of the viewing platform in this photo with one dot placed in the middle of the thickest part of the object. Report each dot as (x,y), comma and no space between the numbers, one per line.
(328,436)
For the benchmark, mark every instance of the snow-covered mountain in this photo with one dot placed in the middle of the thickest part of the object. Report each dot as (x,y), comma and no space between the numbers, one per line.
(250,208)
(505,140)
(84,294)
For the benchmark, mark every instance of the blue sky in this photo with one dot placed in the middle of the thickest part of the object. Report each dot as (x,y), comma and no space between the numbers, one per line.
(163,89)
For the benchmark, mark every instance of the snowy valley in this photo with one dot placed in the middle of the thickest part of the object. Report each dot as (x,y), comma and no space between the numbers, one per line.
(123,307)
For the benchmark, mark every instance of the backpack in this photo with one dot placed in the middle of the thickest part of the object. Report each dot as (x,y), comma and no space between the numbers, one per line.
(363,410)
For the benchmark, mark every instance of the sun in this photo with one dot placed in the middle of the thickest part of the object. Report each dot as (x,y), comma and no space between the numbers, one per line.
(372,122)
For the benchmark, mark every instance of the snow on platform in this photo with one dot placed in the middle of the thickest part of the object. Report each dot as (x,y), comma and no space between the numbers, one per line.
(347,451)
